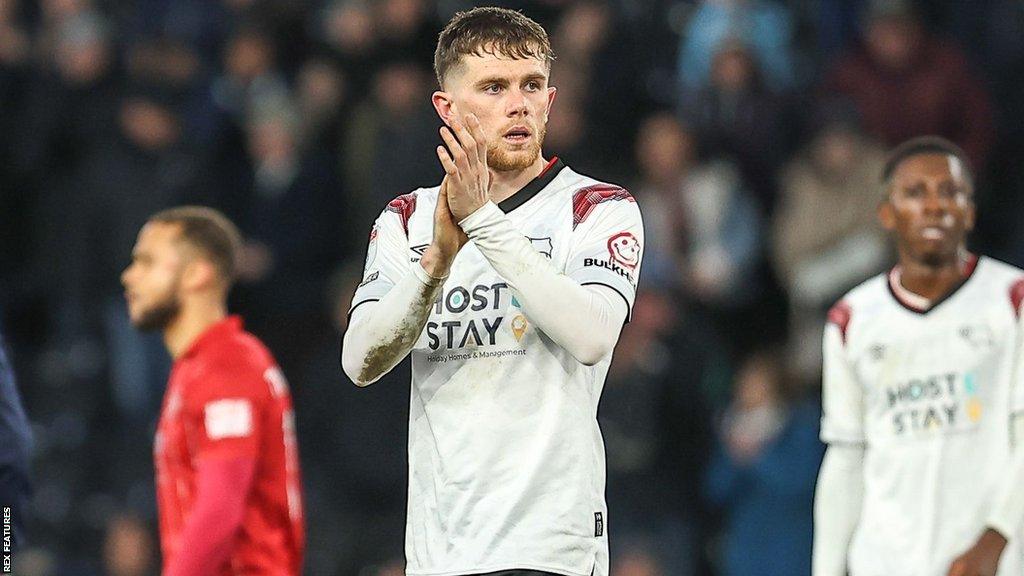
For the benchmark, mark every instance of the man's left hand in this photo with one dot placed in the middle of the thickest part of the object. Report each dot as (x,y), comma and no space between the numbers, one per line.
(465,163)
(982,559)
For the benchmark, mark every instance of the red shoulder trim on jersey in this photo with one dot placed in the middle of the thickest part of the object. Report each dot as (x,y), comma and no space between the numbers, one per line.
(404,206)
(1017,296)
(585,199)
(840,315)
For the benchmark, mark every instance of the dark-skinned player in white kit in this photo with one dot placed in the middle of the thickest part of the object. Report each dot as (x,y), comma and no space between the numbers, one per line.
(924,393)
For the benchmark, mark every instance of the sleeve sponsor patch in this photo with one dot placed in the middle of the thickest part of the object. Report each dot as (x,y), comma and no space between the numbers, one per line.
(624,248)
(228,418)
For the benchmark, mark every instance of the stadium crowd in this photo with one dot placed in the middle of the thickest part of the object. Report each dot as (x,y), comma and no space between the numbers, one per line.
(751,132)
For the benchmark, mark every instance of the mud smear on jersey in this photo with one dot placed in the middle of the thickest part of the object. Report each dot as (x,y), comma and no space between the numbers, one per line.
(382,358)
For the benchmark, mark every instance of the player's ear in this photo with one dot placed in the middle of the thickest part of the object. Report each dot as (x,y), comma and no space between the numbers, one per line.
(444,106)
(886,215)
(198,273)
(552,92)
(970,215)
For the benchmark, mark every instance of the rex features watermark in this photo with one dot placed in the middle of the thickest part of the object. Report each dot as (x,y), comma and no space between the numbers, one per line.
(8,542)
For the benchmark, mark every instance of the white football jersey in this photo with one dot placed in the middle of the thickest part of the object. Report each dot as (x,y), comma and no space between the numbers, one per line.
(930,394)
(507,466)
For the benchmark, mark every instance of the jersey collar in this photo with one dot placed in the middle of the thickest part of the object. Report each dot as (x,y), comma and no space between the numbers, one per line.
(533,187)
(216,332)
(919,304)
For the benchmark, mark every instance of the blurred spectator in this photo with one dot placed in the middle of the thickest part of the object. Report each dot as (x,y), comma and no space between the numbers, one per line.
(249,78)
(763,25)
(250,73)
(147,167)
(177,69)
(763,472)
(654,423)
(598,74)
(128,549)
(57,13)
(384,153)
(737,116)
(992,31)
(291,210)
(826,238)
(357,471)
(322,94)
(907,83)
(407,31)
(703,228)
(347,33)
(70,105)
(15,451)
(200,24)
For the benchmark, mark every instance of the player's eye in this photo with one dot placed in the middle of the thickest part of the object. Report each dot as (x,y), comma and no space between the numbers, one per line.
(532,86)
(492,89)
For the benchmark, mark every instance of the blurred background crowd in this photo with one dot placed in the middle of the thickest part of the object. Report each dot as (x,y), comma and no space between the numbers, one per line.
(751,133)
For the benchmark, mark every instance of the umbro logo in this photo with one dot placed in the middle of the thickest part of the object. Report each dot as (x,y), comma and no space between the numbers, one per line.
(418,250)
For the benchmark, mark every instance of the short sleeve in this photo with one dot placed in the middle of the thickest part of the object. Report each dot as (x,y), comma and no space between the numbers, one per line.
(608,239)
(226,413)
(842,396)
(387,253)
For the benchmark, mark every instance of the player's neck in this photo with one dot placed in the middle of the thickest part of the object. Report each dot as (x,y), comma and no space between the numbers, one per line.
(931,281)
(505,184)
(192,321)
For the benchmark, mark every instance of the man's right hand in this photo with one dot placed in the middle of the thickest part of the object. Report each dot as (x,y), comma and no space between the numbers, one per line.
(448,238)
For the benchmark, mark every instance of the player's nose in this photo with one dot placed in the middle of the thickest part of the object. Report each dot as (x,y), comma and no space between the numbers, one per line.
(934,202)
(517,103)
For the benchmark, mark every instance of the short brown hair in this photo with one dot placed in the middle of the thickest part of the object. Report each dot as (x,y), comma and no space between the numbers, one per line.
(208,231)
(493,31)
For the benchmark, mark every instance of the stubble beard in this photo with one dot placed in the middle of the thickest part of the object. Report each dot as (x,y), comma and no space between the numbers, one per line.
(501,160)
(158,316)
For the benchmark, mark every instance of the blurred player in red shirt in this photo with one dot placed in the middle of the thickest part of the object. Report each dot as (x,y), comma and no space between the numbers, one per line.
(227,468)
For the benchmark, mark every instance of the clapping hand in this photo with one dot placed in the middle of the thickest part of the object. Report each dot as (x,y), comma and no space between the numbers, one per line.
(465,166)
(448,237)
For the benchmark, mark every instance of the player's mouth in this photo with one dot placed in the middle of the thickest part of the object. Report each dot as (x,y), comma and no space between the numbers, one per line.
(933,232)
(517,135)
